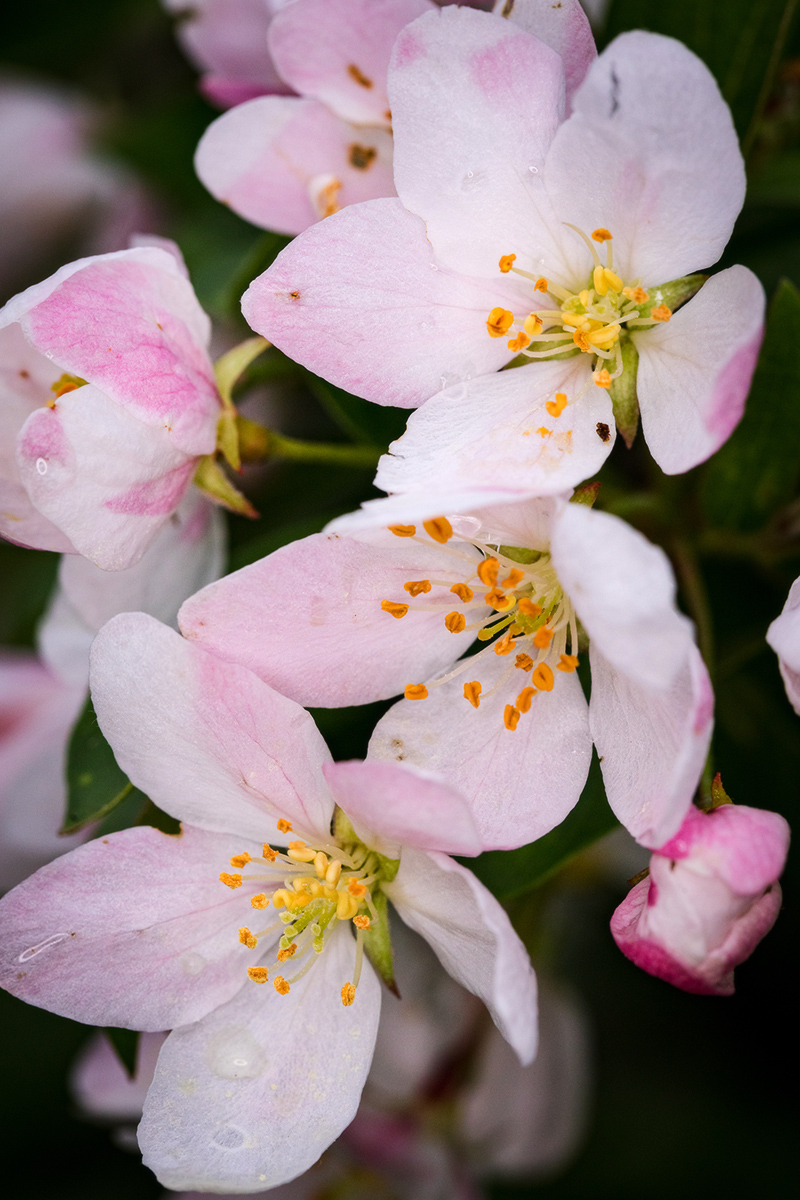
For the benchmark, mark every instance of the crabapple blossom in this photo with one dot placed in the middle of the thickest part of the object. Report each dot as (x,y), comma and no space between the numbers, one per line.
(378,611)
(284,162)
(784,638)
(109,401)
(143,930)
(711,896)
(519,236)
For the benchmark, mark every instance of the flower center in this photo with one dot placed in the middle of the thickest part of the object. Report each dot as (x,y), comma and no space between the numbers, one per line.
(532,622)
(593,319)
(65,383)
(311,888)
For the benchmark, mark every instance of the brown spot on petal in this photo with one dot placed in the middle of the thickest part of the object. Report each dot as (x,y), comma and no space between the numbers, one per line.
(359,76)
(603,432)
(362,157)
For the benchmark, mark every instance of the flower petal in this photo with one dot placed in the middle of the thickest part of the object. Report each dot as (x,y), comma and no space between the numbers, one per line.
(650,153)
(652,744)
(266,159)
(475,103)
(695,370)
(391,807)
(564,27)
(519,784)
(783,636)
(343,649)
(473,939)
(494,432)
(359,299)
(205,739)
(337,51)
(132,930)
(274,1079)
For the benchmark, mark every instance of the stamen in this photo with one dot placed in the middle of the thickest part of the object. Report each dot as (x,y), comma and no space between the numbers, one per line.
(505,645)
(506,262)
(543,637)
(393,609)
(498,600)
(241,860)
(567,662)
(231,881)
(269,854)
(284,826)
(415,691)
(533,324)
(362,922)
(260,975)
(541,285)
(499,322)
(528,608)
(487,571)
(543,678)
(439,528)
(600,235)
(514,577)
(463,592)
(472,692)
(524,662)
(346,906)
(662,313)
(637,294)
(357,889)
(259,901)
(300,852)
(557,406)
(288,952)
(415,587)
(602,378)
(519,342)
(402,530)
(455,622)
(510,717)
(280,985)
(523,701)
(247,939)
(348,994)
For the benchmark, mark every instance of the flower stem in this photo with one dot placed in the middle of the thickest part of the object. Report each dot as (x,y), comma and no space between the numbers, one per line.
(258,443)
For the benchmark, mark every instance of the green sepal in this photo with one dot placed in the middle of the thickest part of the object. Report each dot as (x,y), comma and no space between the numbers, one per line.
(126,1045)
(95,783)
(378,942)
(227,370)
(718,794)
(520,554)
(674,293)
(254,439)
(212,480)
(342,827)
(586,494)
(624,397)
(228,438)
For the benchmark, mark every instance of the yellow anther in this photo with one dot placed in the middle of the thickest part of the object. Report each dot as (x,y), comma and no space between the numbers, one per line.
(472,692)
(599,281)
(300,852)
(524,662)
(543,637)
(346,906)
(280,985)
(519,343)
(333,872)
(543,678)
(259,901)
(499,322)
(455,622)
(506,262)
(584,297)
(487,571)
(327,197)
(567,662)
(510,717)
(65,383)
(613,280)
(573,319)
(541,284)
(287,953)
(393,609)
(439,528)
(601,235)
(304,884)
(498,600)
(463,592)
(258,974)
(320,863)
(662,313)
(415,691)
(523,700)
(284,826)
(415,587)
(329,892)
(402,530)
(357,889)
(604,337)
(241,860)
(637,294)
(247,939)
(231,881)
(557,406)
(269,854)
(532,325)
(362,922)
(528,609)
(602,378)
(514,577)
(505,644)
(348,994)
(280,899)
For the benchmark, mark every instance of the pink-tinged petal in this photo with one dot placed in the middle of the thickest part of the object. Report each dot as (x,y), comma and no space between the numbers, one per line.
(337,51)
(205,739)
(274,1080)
(783,636)
(475,103)
(564,27)
(652,744)
(134,930)
(409,507)
(494,432)
(130,324)
(360,299)
(695,370)
(623,590)
(519,783)
(100,1084)
(472,937)
(344,649)
(392,806)
(271,159)
(746,847)
(652,133)
(106,479)
(64,641)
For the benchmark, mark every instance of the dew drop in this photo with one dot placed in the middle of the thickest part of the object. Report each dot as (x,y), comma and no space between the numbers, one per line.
(53,940)
(230,1137)
(234,1053)
(41,466)
(533,170)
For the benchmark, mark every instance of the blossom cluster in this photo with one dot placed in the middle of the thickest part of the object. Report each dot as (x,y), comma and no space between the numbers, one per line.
(511,236)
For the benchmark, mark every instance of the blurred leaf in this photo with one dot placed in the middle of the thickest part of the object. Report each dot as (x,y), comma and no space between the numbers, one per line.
(756,471)
(361,420)
(740,41)
(510,873)
(126,1044)
(33,575)
(259,547)
(95,784)
(778,182)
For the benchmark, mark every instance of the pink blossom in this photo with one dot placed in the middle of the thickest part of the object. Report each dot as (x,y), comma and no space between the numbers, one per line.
(109,401)
(382,611)
(784,638)
(284,162)
(519,232)
(138,929)
(711,896)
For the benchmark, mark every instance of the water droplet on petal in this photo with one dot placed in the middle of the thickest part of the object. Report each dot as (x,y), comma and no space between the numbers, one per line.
(234,1053)
(41,466)
(533,170)
(53,940)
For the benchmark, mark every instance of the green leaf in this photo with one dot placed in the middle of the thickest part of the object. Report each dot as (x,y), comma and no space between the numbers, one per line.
(33,574)
(778,182)
(510,873)
(756,471)
(95,784)
(126,1044)
(741,41)
(361,420)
